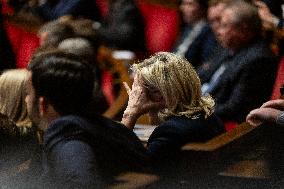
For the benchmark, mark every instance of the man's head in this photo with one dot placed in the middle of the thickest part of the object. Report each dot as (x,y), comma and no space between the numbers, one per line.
(193,10)
(58,84)
(240,23)
(214,13)
(51,33)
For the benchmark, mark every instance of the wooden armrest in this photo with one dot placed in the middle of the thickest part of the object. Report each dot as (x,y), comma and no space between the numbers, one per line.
(133,180)
(117,66)
(220,140)
(258,169)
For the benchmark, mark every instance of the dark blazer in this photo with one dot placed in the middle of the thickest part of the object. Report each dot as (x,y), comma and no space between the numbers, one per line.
(201,48)
(84,153)
(246,83)
(167,139)
(54,9)
(123,27)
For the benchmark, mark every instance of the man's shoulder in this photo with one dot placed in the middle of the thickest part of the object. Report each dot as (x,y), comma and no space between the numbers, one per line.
(256,50)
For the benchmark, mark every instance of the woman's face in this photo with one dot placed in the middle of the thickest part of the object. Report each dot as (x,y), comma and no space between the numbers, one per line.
(154,94)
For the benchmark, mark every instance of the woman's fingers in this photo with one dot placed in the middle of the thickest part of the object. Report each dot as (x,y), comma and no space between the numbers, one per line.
(126,86)
(277,104)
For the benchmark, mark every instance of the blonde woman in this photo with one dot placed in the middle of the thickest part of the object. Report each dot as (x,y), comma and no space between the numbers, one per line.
(12,97)
(167,87)
(15,127)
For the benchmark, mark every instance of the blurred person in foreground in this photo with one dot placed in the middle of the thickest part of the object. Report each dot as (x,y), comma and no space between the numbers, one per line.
(81,149)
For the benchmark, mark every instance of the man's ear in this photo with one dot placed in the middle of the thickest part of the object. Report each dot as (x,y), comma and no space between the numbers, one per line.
(43,37)
(43,106)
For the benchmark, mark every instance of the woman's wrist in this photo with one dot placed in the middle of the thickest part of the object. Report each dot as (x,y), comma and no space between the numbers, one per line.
(129,119)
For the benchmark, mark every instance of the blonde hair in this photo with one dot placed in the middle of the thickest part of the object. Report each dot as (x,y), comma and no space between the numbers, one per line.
(12,96)
(177,81)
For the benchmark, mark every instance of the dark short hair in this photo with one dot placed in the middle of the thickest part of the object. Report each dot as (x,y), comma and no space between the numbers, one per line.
(203,3)
(64,80)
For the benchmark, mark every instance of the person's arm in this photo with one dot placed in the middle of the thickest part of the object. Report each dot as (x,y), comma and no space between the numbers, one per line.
(276,104)
(268,19)
(264,115)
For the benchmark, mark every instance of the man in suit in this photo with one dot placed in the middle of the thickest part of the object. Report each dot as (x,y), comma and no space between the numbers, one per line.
(242,75)
(197,40)
(123,27)
(80,149)
(52,9)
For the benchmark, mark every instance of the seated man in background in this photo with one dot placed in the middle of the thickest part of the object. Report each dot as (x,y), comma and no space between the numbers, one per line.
(52,9)
(215,10)
(123,27)
(83,48)
(81,149)
(197,41)
(243,74)
(52,33)
(270,112)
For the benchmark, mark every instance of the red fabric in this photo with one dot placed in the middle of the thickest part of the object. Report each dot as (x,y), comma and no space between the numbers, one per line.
(14,34)
(103,7)
(107,87)
(279,81)
(229,125)
(29,43)
(23,44)
(6,9)
(161,26)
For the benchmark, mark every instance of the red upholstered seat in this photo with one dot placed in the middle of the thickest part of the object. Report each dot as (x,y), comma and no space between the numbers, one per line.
(29,44)
(103,7)
(6,9)
(23,43)
(161,26)
(279,81)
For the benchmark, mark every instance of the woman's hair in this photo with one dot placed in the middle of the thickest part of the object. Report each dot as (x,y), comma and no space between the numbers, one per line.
(177,81)
(12,96)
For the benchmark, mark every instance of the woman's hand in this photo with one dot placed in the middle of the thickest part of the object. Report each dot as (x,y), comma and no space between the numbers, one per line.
(138,103)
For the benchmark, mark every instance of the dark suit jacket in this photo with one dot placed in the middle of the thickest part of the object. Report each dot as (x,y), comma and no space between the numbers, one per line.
(84,153)
(52,10)
(246,83)
(166,140)
(124,27)
(201,48)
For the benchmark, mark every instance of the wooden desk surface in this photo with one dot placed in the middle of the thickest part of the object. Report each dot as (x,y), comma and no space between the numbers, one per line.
(133,180)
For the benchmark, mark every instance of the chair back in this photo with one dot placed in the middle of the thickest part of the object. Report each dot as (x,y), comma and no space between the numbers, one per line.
(279,81)
(161,26)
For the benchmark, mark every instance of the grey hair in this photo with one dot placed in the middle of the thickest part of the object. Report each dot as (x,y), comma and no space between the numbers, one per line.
(78,46)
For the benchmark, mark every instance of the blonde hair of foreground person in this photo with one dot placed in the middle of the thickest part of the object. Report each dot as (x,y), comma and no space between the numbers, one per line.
(177,81)
(12,96)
